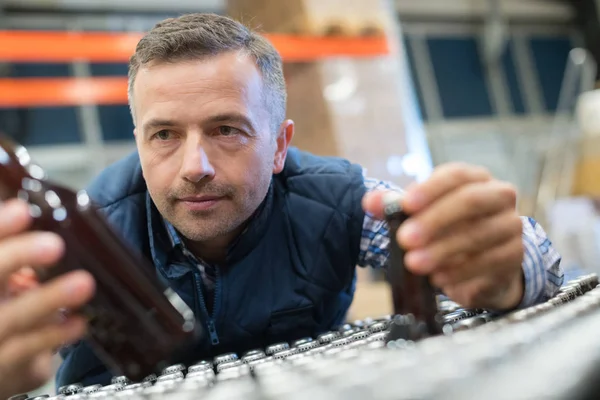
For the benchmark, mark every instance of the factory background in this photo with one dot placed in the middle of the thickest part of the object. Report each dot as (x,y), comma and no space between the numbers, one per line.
(397,86)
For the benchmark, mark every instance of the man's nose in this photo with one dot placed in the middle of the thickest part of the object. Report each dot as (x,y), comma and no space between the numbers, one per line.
(196,165)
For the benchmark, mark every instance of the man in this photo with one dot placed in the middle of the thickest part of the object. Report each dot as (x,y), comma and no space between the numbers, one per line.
(260,239)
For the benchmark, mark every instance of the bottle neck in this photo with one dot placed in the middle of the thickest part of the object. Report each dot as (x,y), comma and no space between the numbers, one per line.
(13,175)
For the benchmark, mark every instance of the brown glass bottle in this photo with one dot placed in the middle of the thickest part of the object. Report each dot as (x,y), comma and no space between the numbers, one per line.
(414,299)
(135,326)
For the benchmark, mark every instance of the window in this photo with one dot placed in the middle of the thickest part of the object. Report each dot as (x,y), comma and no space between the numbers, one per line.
(550,56)
(42,125)
(512,81)
(463,89)
(414,78)
(115,120)
(460,77)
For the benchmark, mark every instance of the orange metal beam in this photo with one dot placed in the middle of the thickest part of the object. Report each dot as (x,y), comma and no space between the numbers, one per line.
(100,47)
(38,46)
(36,92)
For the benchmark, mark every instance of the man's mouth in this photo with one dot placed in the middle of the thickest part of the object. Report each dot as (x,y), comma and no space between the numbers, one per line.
(203,202)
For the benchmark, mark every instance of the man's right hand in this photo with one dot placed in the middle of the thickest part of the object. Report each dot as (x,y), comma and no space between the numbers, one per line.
(29,331)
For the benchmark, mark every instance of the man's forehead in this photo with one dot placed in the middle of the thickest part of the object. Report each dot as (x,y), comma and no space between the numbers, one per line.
(229,71)
(214,85)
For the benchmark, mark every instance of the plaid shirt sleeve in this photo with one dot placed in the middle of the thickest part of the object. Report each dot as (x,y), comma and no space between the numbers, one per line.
(541,264)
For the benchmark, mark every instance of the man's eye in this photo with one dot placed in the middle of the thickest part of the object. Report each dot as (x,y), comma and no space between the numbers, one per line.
(228,131)
(163,135)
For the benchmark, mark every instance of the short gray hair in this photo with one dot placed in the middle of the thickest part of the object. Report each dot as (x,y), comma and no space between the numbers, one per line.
(200,35)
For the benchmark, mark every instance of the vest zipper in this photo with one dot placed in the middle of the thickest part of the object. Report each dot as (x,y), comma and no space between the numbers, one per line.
(217,292)
(212,331)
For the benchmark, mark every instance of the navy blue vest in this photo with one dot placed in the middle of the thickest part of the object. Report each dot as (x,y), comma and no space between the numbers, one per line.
(290,275)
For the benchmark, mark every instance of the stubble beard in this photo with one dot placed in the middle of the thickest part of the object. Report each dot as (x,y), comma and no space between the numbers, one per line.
(228,216)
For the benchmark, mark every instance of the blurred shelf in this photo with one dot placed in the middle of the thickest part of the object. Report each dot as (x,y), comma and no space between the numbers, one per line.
(527,10)
(139,6)
(59,159)
(101,47)
(40,92)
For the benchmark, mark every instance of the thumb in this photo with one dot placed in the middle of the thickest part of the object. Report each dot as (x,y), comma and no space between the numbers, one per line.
(373,202)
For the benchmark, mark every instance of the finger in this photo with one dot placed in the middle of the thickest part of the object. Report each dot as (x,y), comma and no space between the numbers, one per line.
(68,291)
(470,294)
(26,361)
(14,217)
(56,317)
(31,248)
(21,349)
(41,367)
(443,180)
(453,262)
(372,203)
(32,375)
(468,238)
(497,263)
(467,203)
(487,292)
(16,289)
(43,322)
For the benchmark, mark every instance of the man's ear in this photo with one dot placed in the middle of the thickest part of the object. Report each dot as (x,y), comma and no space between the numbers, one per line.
(284,137)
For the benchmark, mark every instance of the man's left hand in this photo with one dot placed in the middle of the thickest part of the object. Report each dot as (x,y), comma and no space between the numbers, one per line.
(465,234)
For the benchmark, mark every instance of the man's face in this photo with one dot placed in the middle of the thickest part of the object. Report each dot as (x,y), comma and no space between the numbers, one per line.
(205,143)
